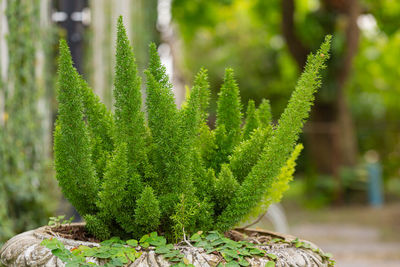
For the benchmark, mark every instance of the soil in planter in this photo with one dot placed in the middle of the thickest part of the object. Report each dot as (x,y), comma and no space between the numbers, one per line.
(75,232)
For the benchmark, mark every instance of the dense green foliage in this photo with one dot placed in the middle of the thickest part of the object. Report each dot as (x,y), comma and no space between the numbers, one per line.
(249,37)
(172,174)
(25,184)
(279,146)
(275,192)
(76,175)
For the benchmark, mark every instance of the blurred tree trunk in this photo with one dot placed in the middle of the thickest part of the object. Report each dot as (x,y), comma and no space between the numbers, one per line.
(144,30)
(140,21)
(331,130)
(170,49)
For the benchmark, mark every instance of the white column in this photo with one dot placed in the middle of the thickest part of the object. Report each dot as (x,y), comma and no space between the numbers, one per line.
(44,105)
(98,37)
(170,49)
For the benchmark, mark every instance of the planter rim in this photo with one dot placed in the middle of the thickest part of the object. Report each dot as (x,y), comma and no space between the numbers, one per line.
(25,250)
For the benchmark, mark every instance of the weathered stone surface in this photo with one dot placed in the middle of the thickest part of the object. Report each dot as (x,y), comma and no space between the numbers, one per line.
(25,250)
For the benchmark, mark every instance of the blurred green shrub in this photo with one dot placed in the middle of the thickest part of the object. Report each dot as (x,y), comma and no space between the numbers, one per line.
(26,189)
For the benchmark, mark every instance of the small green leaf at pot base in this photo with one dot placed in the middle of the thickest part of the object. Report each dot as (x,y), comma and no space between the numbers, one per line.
(153,235)
(243,262)
(52,243)
(217,242)
(131,256)
(158,241)
(270,264)
(145,245)
(116,262)
(164,249)
(272,256)
(113,240)
(62,254)
(144,238)
(232,264)
(328,255)
(256,251)
(195,237)
(212,237)
(132,242)
(229,253)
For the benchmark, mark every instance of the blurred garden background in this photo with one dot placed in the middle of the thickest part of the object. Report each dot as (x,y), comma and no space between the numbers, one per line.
(346,193)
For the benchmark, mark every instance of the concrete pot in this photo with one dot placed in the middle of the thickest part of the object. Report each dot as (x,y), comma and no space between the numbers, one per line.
(25,250)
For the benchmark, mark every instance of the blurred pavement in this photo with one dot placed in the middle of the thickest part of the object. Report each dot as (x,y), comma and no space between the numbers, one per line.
(357,236)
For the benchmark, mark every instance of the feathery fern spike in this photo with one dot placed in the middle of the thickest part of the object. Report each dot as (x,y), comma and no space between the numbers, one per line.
(252,121)
(173,133)
(247,153)
(129,117)
(229,107)
(147,211)
(229,119)
(97,227)
(112,194)
(203,87)
(280,145)
(163,124)
(100,125)
(156,69)
(225,187)
(206,145)
(264,113)
(75,171)
(171,151)
(195,112)
(194,124)
(280,184)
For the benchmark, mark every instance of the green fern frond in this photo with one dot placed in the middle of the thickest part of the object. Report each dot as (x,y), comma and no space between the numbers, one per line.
(279,186)
(147,212)
(225,188)
(203,87)
(264,113)
(156,69)
(129,117)
(100,124)
(171,142)
(252,121)
(229,119)
(281,143)
(75,171)
(248,153)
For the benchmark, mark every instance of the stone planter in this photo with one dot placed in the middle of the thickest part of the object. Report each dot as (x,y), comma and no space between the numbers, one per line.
(25,250)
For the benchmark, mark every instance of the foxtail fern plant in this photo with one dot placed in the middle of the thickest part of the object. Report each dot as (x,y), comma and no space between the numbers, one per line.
(130,173)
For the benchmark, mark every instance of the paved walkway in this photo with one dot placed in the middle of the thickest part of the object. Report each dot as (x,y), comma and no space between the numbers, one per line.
(352,246)
(357,236)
